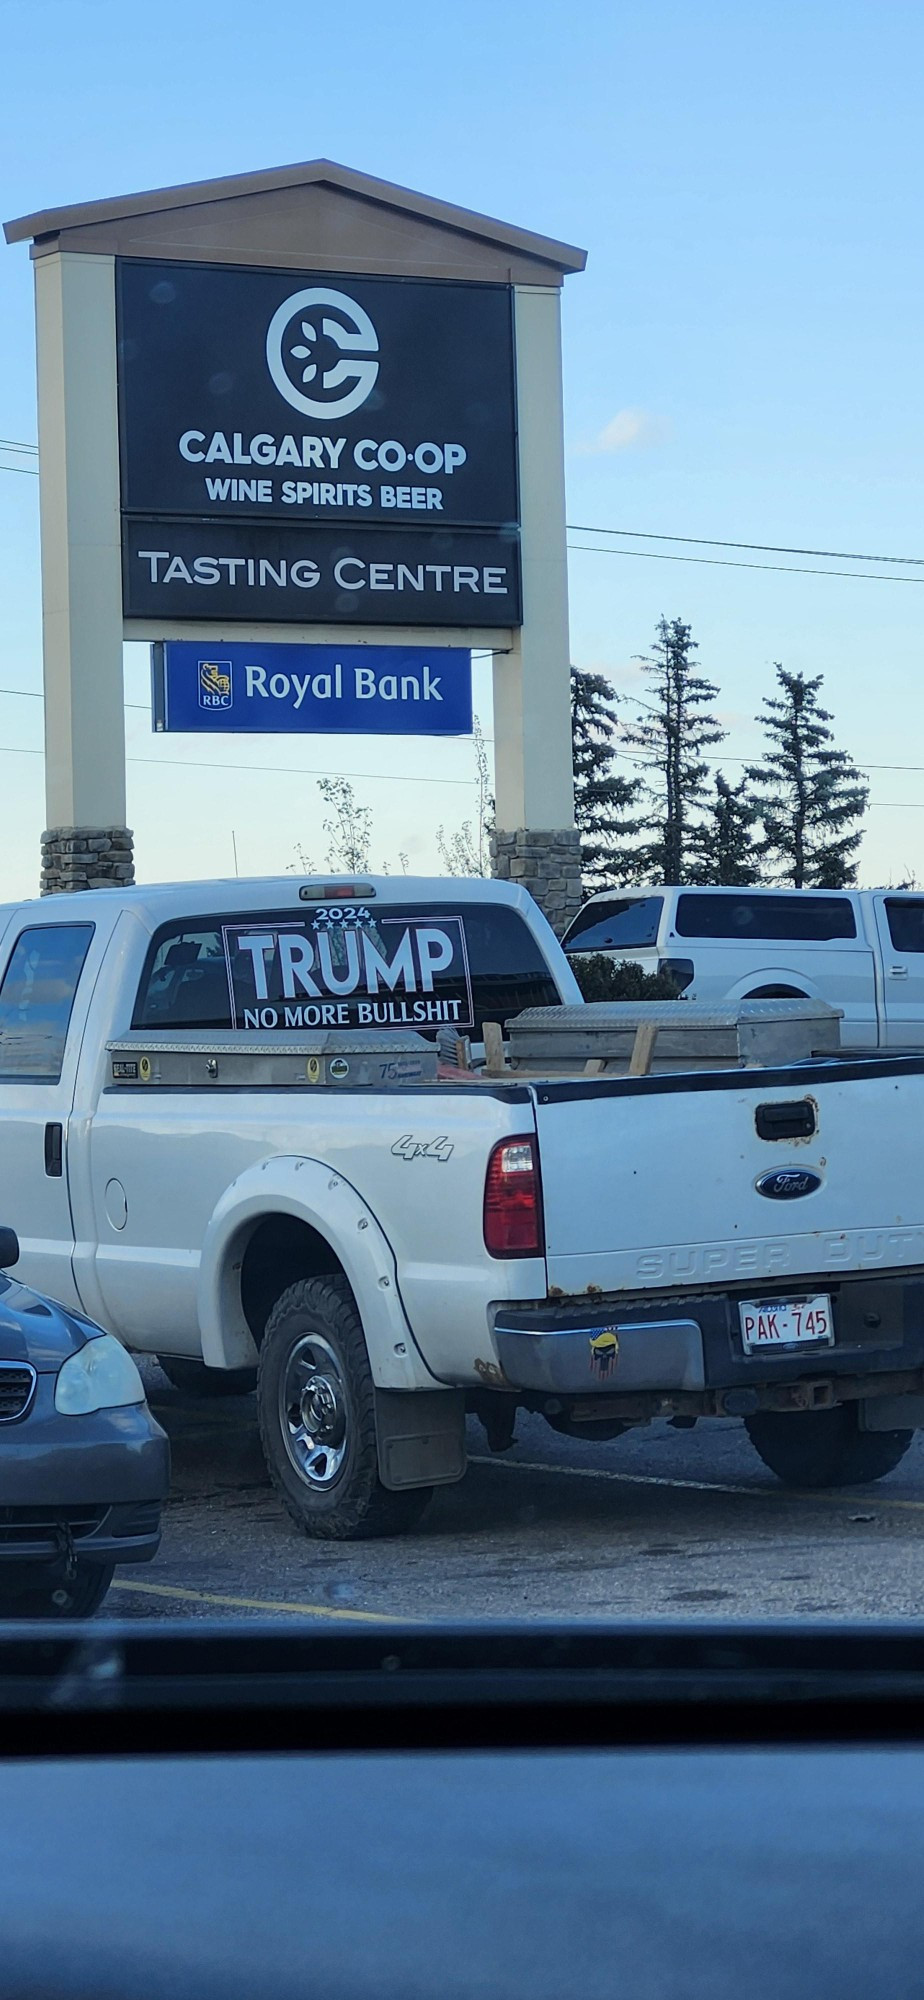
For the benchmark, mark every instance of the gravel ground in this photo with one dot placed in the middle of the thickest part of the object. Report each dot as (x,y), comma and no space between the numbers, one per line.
(659,1524)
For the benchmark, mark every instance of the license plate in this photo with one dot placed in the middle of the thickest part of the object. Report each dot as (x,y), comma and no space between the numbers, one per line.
(786,1323)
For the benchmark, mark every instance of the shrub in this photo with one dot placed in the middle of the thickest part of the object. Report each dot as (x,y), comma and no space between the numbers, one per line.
(603,978)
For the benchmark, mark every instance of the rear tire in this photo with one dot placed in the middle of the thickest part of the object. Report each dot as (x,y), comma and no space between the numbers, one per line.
(818,1448)
(78,1599)
(192,1378)
(316,1406)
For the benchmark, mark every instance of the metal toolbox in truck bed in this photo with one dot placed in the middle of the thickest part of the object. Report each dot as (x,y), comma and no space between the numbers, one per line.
(688,1034)
(250,1060)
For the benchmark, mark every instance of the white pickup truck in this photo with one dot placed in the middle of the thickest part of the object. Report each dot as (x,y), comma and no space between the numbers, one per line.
(224,1136)
(862,949)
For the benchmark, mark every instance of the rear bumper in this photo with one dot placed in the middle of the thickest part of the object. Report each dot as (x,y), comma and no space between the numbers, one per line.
(602,1353)
(689,1351)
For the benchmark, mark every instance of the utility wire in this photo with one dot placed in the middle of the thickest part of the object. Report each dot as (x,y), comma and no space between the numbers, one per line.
(651,555)
(143,708)
(724,562)
(764,548)
(648,534)
(366,777)
(35,694)
(292,770)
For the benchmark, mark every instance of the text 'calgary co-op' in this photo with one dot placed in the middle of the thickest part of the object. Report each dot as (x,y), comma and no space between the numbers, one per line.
(321,454)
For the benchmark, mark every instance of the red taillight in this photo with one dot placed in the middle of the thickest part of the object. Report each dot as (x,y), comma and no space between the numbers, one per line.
(337,892)
(513,1200)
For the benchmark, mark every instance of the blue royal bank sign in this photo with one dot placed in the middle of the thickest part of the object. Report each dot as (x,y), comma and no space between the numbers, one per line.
(312,690)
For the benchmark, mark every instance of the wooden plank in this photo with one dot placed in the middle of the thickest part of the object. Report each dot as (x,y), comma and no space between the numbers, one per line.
(492,1035)
(646,1035)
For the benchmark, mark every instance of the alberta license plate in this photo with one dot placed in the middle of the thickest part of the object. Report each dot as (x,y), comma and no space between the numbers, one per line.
(785,1322)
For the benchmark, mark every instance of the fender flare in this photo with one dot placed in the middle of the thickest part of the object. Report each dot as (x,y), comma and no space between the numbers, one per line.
(319,1195)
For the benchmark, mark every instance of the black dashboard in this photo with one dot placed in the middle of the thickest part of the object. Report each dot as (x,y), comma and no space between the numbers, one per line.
(699,1812)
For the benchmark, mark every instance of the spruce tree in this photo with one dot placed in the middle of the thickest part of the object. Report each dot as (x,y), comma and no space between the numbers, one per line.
(677,728)
(724,843)
(603,799)
(810,795)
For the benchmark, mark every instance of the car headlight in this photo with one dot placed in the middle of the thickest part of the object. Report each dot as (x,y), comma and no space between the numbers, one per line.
(100,1376)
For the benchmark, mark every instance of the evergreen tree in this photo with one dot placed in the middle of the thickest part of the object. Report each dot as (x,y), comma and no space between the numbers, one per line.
(724,844)
(677,729)
(603,799)
(811,796)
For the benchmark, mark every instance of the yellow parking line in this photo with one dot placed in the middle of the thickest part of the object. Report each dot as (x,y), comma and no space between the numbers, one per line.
(778,1493)
(257,1603)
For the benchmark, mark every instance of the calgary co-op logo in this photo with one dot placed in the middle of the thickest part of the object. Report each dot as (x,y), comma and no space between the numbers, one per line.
(295,331)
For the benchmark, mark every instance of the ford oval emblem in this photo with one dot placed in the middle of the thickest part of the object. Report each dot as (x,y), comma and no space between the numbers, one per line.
(787,1183)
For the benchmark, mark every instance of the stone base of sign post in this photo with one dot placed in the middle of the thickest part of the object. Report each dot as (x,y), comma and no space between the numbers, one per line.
(548,864)
(86,857)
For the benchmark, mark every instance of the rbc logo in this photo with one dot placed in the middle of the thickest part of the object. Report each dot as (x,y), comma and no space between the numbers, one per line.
(214,683)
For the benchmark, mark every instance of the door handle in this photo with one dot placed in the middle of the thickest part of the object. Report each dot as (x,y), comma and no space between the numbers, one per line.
(54,1151)
(898,971)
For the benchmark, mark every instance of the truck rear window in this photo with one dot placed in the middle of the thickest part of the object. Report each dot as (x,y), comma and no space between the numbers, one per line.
(621,922)
(388,965)
(796,916)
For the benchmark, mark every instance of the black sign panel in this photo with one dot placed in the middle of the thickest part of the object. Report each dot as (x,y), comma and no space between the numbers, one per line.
(349,968)
(318,574)
(288,397)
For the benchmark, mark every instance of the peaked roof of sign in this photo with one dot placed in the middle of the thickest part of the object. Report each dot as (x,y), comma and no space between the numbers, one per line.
(51,221)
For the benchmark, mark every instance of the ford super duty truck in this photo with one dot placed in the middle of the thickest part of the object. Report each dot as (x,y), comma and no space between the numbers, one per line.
(226,1134)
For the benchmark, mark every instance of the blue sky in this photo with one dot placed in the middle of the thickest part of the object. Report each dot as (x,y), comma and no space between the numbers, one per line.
(742,355)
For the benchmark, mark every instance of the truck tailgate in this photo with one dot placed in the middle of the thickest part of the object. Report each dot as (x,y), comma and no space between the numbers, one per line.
(653,1183)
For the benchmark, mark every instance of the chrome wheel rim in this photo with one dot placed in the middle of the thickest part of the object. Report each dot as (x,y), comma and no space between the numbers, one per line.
(313,1411)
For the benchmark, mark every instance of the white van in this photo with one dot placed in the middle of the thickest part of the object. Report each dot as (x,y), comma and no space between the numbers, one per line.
(860,949)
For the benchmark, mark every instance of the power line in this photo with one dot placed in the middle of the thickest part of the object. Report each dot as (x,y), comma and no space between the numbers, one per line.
(721,562)
(143,708)
(697,541)
(649,763)
(24,450)
(654,535)
(292,770)
(765,548)
(388,777)
(35,694)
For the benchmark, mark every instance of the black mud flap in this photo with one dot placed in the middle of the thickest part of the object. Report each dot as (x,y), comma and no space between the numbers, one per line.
(420,1435)
(891,1413)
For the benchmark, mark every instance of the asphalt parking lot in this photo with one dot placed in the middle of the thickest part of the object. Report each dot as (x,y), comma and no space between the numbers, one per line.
(664,1524)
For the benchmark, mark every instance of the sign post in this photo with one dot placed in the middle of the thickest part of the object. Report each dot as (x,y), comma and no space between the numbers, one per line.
(302,406)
